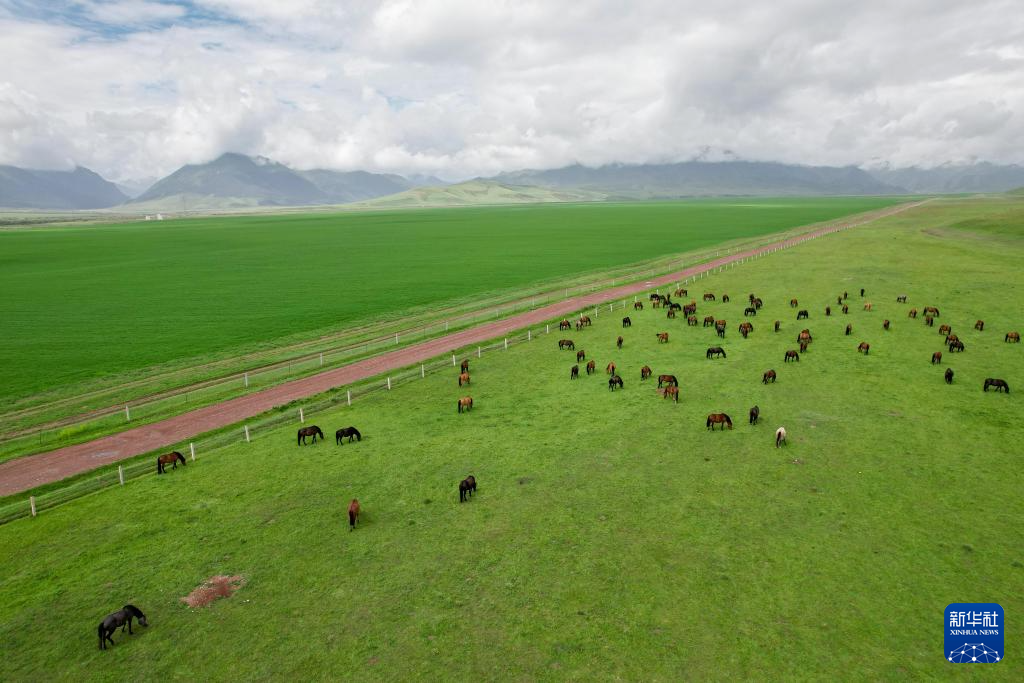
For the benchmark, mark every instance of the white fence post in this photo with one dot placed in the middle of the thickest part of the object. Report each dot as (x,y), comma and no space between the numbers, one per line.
(506,343)
(247,434)
(127,413)
(423,371)
(120,474)
(302,416)
(247,380)
(389,383)
(350,397)
(192,447)
(547,329)
(479,352)
(396,337)
(453,360)
(32,504)
(321,360)
(529,335)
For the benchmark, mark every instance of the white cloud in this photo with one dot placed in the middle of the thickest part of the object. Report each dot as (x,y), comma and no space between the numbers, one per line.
(462,88)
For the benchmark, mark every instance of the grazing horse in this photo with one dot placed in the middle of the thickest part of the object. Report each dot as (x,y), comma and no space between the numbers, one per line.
(591,367)
(579,325)
(849,330)
(312,431)
(708,296)
(745,329)
(768,376)
(566,344)
(845,295)
(846,309)
(690,308)
(791,355)
(885,324)
(778,325)
(758,303)
(956,345)
(803,346)
(804,336)
(720,328)
(662,337)
(682,292)
(465,404)
(353,514)
(671,313)
(645,372)
(864,347)
(691,320)
(912,313)
(618,342)
(122,618)
(714,351)
(1012,337)
(638,305)
(675,307)
(626,322)
(585,319)
(931,310)
(839,301)
(867,306)
(464,378)
(614,381)
(755,413)
(749,311)
(950,338)
(610,369)
(709,320)
(861,292)
(828,310)
(725,298)
(656,301)
(793,303)
(171,459)
(465,365)
(718,419)
(670,392)
(780,437)
(581,355)
(929,321)
(574,372)
(467,487)
(980,325)
(564,325)
(945,329)
(802,314)
(901,299)
(936,357)
(949,375)
(350,432)
(999,384)
(667,379)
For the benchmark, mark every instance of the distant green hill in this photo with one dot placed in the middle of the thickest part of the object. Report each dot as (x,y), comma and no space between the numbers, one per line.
(23,188)
(479,193)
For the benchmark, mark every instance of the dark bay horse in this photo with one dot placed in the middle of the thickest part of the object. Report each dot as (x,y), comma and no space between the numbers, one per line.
(755,413)
(566,344)
(849,330)
(645,372)
(1012,337)
(169,459)
(465,366)
(936,357)
(791,355)
(467,487)
(638,306)
(350,432)
(864,347)
(768,376)
(949,375)
(564,325)
(465,404)
(670,392)
(885,324)
(353,514)
(574,372)
(120,618)
(980,326)
(626,322)
(610,369)
(662,337)
(802,315)
(591,367)
(615,381)
(618,342)
(999,384)
(715,351)
(312,431)
(667,379)
(581,355)
(718,419)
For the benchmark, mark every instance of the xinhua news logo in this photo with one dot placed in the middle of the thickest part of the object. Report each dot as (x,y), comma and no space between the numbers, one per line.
(974,633)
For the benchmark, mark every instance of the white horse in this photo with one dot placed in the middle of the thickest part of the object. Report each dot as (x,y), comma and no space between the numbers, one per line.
(780,436)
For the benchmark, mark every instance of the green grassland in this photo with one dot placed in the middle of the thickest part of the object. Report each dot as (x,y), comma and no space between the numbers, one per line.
(100,302)
(612,536)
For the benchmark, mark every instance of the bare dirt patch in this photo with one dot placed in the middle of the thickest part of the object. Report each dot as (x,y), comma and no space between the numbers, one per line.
(214,588)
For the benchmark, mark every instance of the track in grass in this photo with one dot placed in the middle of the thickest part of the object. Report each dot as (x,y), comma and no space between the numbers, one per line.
(612,535)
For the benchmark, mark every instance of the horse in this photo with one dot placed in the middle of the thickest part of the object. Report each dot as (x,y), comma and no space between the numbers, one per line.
(574,372)
(690,308)
(465,404)
(312,431)
(339,436)
(626,322)
(839,301)
(467,487)
(861,292)
(645,372)
(956,345)
(778,325)
(579,325)
(671,314)
(929,321)
(581,355)
(1012,337)
(749,311)
(709,320)
(999,384)
(845,295)
(708,296)
(725,299)
(793,303)
(949,375)
(936,357)
(780,437)
(758,303)
(670,392)
(610,369)
(803,346)
(122,618)
(980,326)
(655,296)
(591,367)
(745,329)
(614,381)
(846,309)
(691,321)
(755,413)
(662,337)
(464,378)
(656,302)
(564,325)
(867,306)
(667,379)
(912,313)
(353,514)
(718,419)
(171,459)
(714,351)
(638,305)
(802,314)
(675,307)
(864,347)
(804,336)
(682,292)
(566,344)
(885,324)
(901,299)
(931,310)
(828,310)
(770,375)
(618,342)
(791,355)
(849,330)
(945,329)
(465,365)
(585,319)
(720,331)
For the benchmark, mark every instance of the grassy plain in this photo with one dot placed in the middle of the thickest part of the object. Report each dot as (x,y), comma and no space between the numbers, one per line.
(612,536)
(83,304)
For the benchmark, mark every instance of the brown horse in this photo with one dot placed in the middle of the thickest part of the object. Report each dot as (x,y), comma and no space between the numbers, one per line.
(778,325)
(465,404)
(353,514)
(912,313)
(690,308)
(793,303)
(846,309)
(591,367)
(626,322)
(945,329)
(564,325)
(791,355)
(662,337)
(768,376)
(467,487)
(581,355)
(745,329)
(949,375)
(671,313)
(638,306)
(803,346)
(610,369)
(709,320)
(350,432)
(804,336)
(691,320)
(574,372)
(936,357)
(465,365)
(1012,337)
(715,351)
(718,419)
(839,301)
(867,306)
(645,372)
(708,296)
(849,330)
(901,299)
(667,379)
(980,325)
(579,325)
(885,324)
(464,378)
(566,344)
(956,345)
(755,413)
(312,431)
(749,311)
(614,381)
(950,338)
(618,342)
(828,310)
(931,310)
(864,347)
(585,319)
(999,384)
(171,459)
(670,392)
(929,321)
(682,292)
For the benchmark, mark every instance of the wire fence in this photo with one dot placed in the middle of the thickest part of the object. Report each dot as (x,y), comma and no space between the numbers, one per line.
(252,430)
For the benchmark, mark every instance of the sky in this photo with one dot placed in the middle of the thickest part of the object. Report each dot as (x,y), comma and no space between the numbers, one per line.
(133,89)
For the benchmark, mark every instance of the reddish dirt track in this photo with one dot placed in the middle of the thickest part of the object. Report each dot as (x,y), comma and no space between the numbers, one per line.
(28,472)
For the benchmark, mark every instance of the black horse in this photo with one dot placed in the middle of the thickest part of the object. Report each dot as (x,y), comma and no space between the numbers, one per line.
(467,487)
(312,431)
(755,412)
(626,322)
(999,384)
(349,432)
(714,351)
(949,375)
(614,381)
(120,618)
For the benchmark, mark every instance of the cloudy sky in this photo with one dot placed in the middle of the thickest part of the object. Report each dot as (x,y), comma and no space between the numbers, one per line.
(135,88)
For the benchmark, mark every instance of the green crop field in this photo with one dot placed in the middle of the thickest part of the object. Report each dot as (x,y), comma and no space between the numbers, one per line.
(85,303)
(612,536)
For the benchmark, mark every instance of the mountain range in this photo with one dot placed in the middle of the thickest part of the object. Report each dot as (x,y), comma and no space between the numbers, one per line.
(236,181)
